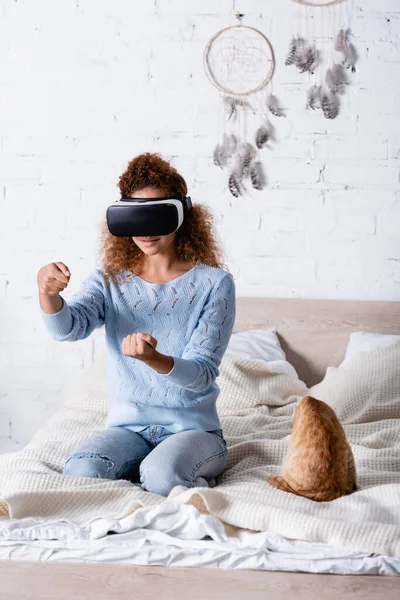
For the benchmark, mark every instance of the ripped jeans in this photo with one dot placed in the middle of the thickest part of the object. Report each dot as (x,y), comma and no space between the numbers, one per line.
(155,457)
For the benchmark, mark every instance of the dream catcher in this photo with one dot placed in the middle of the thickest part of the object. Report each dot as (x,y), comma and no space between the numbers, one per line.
(329,69)
(239,61)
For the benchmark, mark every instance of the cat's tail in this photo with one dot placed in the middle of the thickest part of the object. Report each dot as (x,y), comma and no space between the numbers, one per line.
(280,483)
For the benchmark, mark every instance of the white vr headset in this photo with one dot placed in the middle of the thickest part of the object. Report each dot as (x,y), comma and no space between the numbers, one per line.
(136,217)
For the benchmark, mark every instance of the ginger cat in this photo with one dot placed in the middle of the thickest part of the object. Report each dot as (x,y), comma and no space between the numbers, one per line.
(319,464)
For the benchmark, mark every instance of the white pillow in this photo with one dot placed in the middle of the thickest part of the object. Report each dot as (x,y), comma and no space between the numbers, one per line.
(256,344)
(364,341)
(261,344)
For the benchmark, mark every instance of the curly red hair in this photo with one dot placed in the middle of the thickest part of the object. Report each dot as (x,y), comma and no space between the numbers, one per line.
(195,239)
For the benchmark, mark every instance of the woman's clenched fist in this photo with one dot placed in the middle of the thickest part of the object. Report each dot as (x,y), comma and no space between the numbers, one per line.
(53,278)
(139,345)
(142,346)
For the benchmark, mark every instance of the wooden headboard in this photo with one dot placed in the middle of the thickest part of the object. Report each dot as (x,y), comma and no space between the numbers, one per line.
(314,333)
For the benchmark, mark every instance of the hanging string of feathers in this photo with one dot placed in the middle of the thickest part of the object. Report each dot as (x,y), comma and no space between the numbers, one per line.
(307,58)
(243,157)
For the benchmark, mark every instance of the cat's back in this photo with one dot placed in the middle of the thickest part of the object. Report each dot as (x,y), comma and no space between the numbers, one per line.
(319,463)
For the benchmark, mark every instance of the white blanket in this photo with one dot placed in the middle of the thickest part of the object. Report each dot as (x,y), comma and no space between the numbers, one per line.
(177,535)
(256,406)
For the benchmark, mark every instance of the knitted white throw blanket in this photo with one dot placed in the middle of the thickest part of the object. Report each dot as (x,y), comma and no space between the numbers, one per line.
(256,406)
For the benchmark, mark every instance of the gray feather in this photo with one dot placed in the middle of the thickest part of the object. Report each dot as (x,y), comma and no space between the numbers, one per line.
(342,40)
(223,152)
(314,97)
(239,169)
(344,45)
(218,156)
(274,107)
(235,185)
(330,105)
(336,79)
(351,58)
(262,136)
(307,61)
(257,176)
(231,107)
(271,130)
(301,49)
(245,158)
(292,52)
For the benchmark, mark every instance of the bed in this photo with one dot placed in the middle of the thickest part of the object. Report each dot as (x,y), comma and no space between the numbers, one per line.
(314,335)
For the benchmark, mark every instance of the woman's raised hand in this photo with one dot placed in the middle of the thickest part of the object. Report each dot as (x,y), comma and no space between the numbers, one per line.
(53,278)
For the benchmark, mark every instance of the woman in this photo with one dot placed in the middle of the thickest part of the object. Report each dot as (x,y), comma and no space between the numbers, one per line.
(168,308)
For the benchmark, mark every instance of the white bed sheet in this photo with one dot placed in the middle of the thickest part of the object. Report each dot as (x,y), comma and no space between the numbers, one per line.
(179,536)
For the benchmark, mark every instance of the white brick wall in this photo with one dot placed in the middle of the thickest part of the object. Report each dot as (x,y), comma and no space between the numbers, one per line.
(87,84)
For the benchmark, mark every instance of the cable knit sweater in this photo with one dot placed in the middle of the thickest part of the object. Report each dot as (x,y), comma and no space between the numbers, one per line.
(192,319)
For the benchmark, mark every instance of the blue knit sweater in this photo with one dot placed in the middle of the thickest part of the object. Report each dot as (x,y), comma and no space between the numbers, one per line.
(191,317)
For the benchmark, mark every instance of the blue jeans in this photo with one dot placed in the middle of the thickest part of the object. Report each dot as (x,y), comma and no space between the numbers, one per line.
(156,457)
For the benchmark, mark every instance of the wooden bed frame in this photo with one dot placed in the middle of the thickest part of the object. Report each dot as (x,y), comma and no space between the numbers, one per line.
(314,335)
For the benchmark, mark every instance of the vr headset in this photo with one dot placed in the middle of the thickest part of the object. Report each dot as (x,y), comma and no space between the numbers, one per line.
(137,217)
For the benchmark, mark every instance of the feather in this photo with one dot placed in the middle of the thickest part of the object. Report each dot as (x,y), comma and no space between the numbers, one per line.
(243,160)
(262,136)
(273,106)
(271,130)
(351,58)
(235,185)
(343,45)
(223,152)
(239,169)
(336,79)
(231,104)
(330,105)
(300,52)
(308,60)
(314,97)
(292,52)
(246,155)
(257,176)
(342,40)
(218,157)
